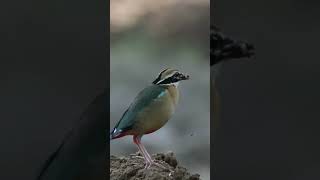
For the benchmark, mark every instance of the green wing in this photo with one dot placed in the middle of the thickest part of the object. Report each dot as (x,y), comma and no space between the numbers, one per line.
(143,99)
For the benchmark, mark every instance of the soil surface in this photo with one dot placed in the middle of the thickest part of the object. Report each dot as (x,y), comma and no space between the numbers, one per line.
(132,168)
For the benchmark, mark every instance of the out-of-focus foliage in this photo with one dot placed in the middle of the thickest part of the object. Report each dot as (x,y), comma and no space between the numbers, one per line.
(171,34)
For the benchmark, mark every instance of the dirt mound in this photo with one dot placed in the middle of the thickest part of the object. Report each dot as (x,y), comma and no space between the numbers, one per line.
(132,168)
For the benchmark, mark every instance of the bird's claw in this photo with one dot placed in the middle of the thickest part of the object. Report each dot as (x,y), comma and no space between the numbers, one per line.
(159,165)
(149,164)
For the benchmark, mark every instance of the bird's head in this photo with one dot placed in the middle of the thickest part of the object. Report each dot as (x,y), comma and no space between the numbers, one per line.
(170,77)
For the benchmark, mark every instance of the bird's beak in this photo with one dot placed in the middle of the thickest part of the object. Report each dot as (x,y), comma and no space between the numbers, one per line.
(185,77)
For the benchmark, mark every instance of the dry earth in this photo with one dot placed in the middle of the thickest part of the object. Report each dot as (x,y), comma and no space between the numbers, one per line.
(132,168)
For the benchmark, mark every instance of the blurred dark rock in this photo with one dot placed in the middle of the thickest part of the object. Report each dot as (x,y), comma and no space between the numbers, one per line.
(223,47)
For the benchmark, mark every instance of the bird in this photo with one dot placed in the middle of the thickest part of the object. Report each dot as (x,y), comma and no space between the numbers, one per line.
(150,110)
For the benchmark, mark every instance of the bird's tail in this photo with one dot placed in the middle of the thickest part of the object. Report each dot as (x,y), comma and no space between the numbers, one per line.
(111,136)
(116,133)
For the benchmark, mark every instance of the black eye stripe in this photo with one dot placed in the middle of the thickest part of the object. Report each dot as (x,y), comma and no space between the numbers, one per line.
(177,74)
(157,80)
(175,77)
(170,80)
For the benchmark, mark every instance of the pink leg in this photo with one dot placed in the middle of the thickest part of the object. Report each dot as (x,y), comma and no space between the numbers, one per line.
(137,141)
(146,155)
(145,151)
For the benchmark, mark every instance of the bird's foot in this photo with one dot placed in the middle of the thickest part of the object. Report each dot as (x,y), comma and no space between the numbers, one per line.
(158,164)
(150,163)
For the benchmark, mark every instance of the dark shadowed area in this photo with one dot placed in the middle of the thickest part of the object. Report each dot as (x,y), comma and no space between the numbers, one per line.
(269,125)
(53,65)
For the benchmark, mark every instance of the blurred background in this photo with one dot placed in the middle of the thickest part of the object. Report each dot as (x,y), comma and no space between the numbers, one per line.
(146,38)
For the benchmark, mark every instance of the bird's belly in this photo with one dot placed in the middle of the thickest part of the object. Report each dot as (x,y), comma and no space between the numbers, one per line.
(154,116)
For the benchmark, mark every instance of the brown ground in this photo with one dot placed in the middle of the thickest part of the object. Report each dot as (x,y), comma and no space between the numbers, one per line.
(132,168)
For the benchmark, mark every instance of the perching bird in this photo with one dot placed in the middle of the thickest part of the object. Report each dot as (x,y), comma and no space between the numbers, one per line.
(150,110)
